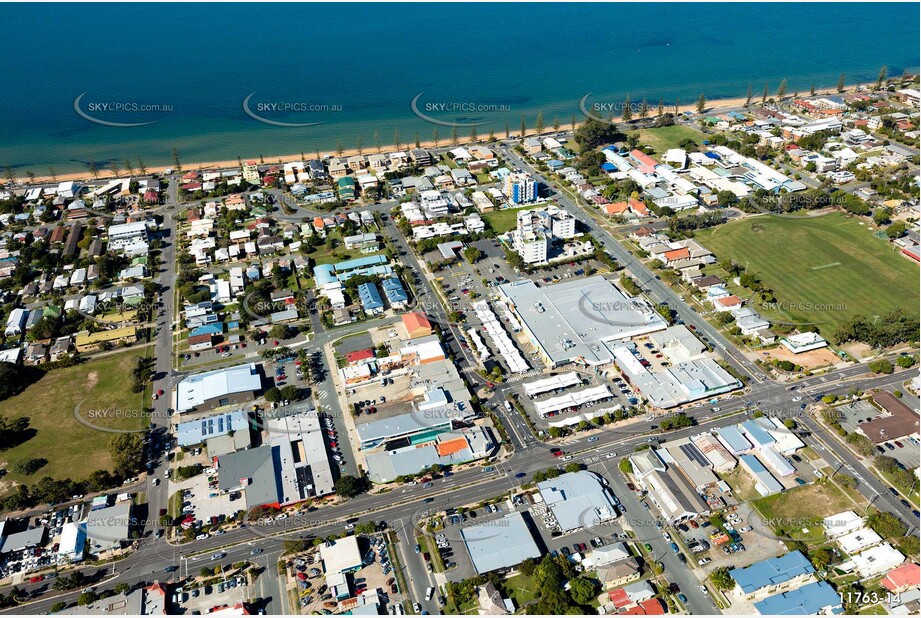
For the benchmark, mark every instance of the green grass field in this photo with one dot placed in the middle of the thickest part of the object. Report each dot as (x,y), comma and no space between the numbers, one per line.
(73,450)
(799,511)
(503,221)
(663,138)
(823,270)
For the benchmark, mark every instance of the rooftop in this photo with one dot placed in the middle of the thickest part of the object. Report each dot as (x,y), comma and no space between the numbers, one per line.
(196,389)
(577,499)
(772,572)
(500,543)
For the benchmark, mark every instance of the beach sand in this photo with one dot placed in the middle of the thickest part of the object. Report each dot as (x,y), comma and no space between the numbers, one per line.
(713,107)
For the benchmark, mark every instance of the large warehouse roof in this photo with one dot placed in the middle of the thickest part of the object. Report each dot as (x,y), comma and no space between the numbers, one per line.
(199,388)
(571,320)
(501,543)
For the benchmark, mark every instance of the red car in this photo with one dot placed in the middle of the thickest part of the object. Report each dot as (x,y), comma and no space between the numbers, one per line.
(160,393)
(36,579)
(559,454)
(276,343)
(333,444)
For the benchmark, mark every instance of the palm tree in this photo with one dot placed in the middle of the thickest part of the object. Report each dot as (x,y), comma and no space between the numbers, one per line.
(556,124)
(143,168)
(396,139)
(339,148)
(628,110)
(524,127)
(435,136)
(539,125)
(644,108)
(883,73)
(177,162)
(701,103)
(454,139)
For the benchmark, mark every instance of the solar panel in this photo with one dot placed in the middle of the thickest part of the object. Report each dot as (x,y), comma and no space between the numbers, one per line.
(692,452)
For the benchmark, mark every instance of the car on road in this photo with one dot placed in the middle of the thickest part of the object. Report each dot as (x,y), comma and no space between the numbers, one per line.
(704,590)
(715,409)
(488,469)
(674,547)
(520,475)
(797,398)
(256,551)
(428,500)
(682,598)
(567,458)
(218,555)
(426,485)
(647,546)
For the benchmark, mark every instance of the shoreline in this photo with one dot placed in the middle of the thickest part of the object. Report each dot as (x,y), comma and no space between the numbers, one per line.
(713,107)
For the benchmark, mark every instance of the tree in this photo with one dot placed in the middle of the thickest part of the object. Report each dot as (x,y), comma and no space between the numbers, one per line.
(58,607)
(377,141)
(556,123)
(177,162)
(435,136)
(883,73)
(507,130)
(396,139)
(142,167)
(348,486)
(821,558)
(841,83)
(539,123)
(418,142)
(572,122)
(273,394)
(92,167)
(87,597)
(721,579)
(280,331)
(880,366)
(473,254)
(812,90)
(748,96)
(454,139)
(583,590)
(473,135)
(52,173)
(339,147)
(660,108)
(628,110)
(593,133)
(764,95)
(644,108)
(886,525)
(701,103)
(782,89)
(896,230)
(905,361)
(30,466)
(625,465)
(524,127)
(127,452)
(290,392)
(573,467)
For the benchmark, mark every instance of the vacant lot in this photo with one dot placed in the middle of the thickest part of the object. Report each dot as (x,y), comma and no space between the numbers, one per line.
(798,512)
(823,270)
(503,221)
(73,450)
(663,138)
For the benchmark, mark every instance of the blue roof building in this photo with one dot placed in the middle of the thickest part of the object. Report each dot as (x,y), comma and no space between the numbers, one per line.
(756,434)
(772,572)
(394,292)
(197,431)
(371,301)
(733,440)
(811,599)
(324,274)
(608,167)
(208,329)
(765,482)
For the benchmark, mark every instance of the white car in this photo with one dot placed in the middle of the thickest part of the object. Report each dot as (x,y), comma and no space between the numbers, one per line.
(704,590)
(155,482)
(715,409)
(610,455)
(797,399)
(350,527)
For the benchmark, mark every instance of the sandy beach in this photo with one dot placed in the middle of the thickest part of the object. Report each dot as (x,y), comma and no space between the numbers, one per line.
(714,106)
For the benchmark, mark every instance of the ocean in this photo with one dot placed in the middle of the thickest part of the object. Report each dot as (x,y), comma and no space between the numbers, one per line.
(352,71)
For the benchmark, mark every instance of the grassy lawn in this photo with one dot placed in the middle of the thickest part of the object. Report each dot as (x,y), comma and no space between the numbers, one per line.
(823,270)
(102,387)
(504,220)
(520,589)
(742,484)
(663,138)
(807,503)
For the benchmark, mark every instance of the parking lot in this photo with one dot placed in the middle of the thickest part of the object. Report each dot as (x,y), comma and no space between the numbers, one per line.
(203,502)
(194,599)
(622,396)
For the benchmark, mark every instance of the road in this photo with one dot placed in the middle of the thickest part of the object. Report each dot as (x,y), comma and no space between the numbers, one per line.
(656,290)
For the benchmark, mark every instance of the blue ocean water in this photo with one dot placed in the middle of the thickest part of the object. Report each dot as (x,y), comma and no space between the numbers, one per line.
(364,63)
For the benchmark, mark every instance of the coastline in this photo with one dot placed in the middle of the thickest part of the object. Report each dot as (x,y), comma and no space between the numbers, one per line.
(714,106)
